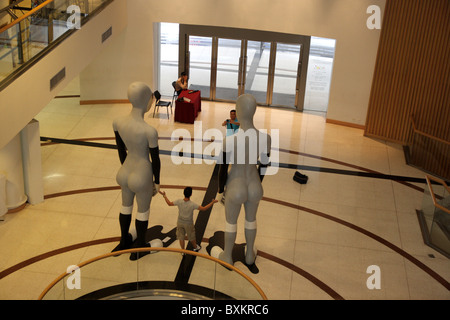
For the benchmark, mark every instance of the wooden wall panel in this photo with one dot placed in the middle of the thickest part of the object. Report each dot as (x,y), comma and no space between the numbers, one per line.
(412,74)
(412,71)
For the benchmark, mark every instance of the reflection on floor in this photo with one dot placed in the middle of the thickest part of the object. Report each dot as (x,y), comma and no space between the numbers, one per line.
(316,240)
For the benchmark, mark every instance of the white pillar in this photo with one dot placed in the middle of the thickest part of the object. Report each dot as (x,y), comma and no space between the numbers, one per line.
(32,162)
(11,168)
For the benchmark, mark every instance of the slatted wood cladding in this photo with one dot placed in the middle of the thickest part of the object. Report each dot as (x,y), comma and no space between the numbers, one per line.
(412,73)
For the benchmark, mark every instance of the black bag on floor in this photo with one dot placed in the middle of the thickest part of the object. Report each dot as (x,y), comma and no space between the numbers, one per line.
(300,178)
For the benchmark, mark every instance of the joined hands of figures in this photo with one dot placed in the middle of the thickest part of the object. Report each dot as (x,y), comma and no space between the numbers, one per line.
(155,189)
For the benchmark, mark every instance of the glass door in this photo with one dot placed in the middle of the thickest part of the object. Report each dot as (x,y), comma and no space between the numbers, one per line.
(224,68)
(257,70)
(230,62)
(286,75)
(199,66)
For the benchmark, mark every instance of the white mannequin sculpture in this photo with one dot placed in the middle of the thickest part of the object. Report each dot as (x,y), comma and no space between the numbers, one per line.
(135,139)
(243,183)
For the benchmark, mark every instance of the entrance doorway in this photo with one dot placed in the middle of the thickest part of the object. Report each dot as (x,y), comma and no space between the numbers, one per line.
(286,80)
(225,63)
(257,73)
(199,68)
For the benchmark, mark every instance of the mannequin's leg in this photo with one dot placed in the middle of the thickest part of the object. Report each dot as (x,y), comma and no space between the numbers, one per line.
(255,194)
(141,224)
(250,231)
(143,201)
(232,213)
(125,222)
(126,239)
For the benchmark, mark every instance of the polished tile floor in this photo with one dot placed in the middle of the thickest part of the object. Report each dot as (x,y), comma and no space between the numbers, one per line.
(316,240)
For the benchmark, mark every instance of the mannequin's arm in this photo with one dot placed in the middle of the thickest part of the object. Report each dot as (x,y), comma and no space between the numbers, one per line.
(262,166)
(121,147)
(265,159)
(223,172)
(156,163)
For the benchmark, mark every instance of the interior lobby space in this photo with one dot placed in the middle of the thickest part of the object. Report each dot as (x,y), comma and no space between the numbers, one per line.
(354,94)
(315,241)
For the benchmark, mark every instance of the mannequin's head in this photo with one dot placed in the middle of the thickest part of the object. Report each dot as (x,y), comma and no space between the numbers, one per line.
(140,96)
(245,107)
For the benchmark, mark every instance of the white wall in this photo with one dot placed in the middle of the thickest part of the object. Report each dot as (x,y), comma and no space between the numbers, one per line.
(130,58)
(22,100)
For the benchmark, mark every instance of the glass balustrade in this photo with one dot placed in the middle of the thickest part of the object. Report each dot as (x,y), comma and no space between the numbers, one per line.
(115,277)
(429,152)
(435,215)
(31,34)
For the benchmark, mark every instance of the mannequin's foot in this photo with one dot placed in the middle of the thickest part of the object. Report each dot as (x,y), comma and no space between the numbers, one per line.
(226,259)
(124,244)
(137,255)
(250,256)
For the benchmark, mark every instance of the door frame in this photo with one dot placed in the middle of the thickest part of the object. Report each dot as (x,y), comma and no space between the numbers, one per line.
(245,35)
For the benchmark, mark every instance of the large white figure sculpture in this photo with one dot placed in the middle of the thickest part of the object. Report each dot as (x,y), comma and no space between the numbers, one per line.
(135,139)
(243,182)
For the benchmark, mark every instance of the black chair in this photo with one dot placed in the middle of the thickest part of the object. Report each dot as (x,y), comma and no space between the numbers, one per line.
(160,103)
(175,93)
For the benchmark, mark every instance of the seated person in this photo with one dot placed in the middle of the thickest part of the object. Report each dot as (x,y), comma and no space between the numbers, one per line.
(182,83)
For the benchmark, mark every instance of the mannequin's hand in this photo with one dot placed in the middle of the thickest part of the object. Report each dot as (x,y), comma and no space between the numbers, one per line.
(155,189)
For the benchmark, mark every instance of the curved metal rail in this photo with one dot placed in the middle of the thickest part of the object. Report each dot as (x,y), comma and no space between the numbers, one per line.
(112,254)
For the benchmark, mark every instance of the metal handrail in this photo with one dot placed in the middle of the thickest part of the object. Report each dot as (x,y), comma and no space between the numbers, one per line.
(27,63)
(426,134)
(30,13)
(430,186)
(116,253)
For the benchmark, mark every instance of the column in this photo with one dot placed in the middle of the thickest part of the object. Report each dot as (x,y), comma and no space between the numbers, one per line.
(11,168)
